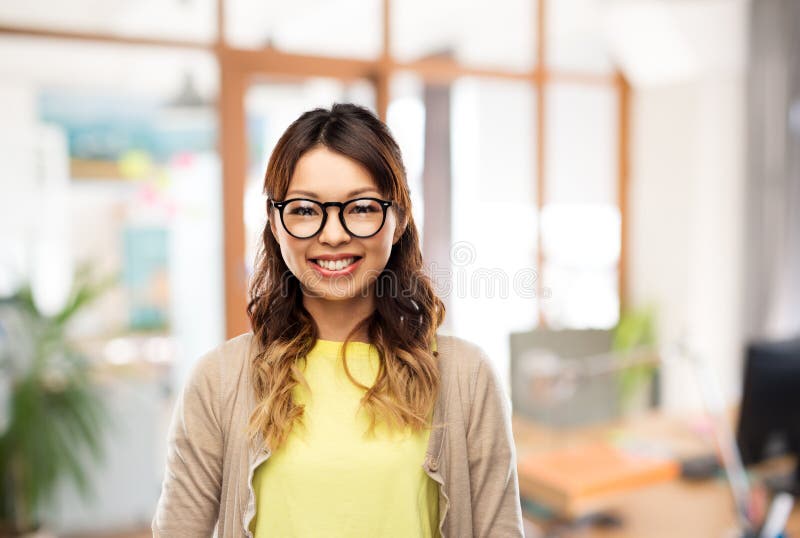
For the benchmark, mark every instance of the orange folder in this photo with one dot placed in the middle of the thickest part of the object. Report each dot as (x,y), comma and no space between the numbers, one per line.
(575,481)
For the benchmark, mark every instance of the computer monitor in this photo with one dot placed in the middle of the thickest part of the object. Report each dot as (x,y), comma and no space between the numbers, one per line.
(769,419)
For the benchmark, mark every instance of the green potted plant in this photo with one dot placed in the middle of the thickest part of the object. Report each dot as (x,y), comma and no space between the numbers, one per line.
(633,338)
(51,413)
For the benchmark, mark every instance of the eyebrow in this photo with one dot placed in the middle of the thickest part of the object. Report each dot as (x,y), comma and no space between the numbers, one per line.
(351,193)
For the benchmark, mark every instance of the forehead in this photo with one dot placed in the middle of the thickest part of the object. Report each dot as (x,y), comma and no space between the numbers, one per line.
(326,175)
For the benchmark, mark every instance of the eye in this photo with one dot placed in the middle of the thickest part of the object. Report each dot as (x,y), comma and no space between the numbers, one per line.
(300,209)
(364,207)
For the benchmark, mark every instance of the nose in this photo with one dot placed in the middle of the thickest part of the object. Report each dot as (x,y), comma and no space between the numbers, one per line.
(333,233)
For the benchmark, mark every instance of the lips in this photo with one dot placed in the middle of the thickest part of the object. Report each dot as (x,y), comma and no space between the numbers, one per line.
(335,270)
(336,265)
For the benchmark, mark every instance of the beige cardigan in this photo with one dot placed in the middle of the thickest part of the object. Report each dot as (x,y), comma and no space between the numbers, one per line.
(207,486)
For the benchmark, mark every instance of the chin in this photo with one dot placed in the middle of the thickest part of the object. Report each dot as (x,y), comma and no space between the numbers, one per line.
(333,294)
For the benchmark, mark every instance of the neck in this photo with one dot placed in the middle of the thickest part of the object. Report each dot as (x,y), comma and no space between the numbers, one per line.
(335,319)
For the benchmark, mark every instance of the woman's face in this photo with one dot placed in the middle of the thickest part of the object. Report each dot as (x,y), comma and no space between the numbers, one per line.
(327,176)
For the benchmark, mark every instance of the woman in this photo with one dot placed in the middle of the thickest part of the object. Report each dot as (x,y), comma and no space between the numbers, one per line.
(343,413)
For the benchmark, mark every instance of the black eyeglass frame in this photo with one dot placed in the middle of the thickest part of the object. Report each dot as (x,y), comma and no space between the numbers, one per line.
(385,204)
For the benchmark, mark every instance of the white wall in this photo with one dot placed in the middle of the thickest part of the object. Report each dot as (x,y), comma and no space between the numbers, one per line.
(686,199)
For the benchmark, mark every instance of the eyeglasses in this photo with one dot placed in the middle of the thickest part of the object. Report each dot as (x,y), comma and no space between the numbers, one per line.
(303,218)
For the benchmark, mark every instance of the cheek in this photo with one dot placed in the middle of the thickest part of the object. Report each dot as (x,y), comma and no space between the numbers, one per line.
(381,249)
(292,252)
(298,255)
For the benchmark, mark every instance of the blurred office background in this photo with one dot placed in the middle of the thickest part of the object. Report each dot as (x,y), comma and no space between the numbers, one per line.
(573,163)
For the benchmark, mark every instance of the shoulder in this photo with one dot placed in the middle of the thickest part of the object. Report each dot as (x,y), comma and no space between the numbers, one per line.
(228,353)
(460,350)
(463,360)
(237,350)
(215,370)
(470,382)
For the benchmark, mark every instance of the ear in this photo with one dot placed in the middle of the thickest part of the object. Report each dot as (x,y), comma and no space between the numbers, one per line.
(399,231)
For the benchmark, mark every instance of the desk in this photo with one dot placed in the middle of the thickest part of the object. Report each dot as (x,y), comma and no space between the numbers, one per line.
(672,509)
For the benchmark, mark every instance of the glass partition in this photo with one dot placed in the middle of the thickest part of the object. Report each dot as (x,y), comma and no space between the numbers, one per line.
(110,161)
(180,21)
(494,220)
(336,28)
(581,222)
(496,35)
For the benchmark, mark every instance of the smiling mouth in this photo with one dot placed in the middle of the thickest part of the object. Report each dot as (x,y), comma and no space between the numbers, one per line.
(338,265)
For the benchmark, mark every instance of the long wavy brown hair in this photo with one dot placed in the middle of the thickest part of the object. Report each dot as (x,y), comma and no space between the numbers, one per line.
(407,314)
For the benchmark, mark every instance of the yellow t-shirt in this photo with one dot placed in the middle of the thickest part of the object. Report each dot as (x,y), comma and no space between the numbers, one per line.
(327,480)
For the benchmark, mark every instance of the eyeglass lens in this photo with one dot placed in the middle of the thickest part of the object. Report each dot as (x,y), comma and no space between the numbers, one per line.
(362,217)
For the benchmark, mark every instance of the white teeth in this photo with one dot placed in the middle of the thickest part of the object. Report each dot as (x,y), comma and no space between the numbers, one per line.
(337,265)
